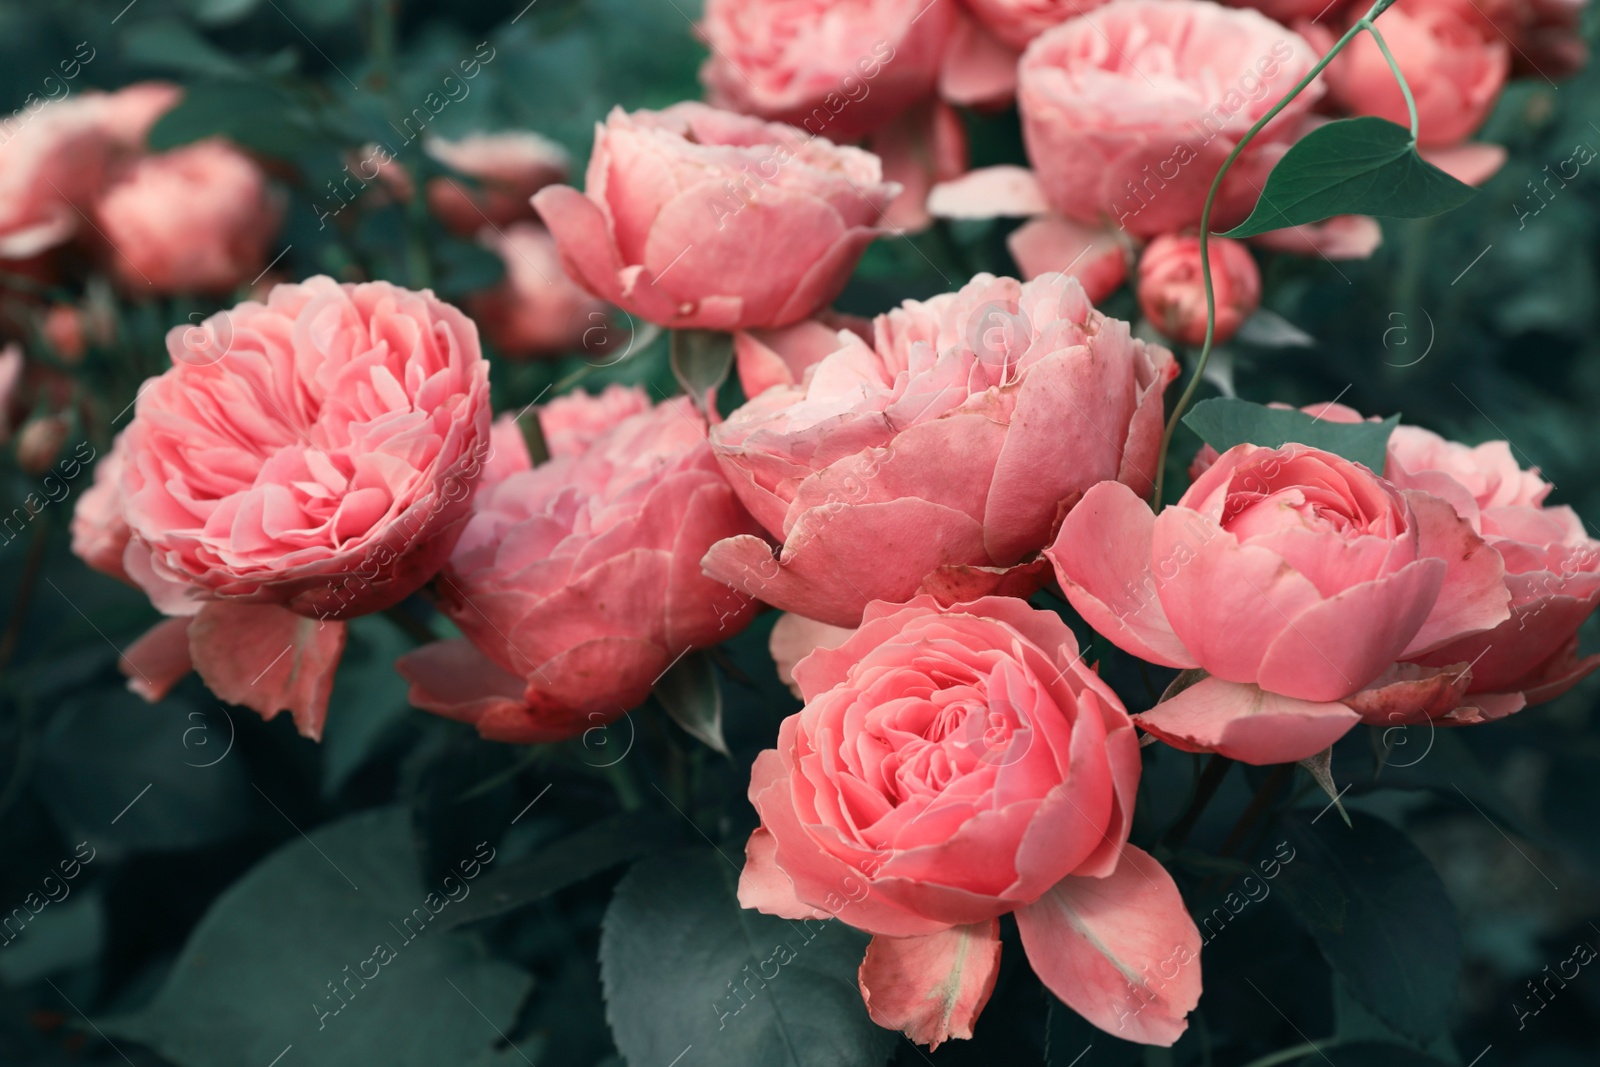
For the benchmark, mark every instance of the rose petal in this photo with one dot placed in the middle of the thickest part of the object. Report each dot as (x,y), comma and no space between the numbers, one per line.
(931,987)
(268,659)
(159,660)
(1246,723)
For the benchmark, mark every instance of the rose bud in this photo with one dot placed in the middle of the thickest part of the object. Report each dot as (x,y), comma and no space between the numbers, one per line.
(952,765)
(577,582)
(1172,289)
(503,170)
(836,72)
(952,445)
(1296,580)
(40,443)
(686,206)
(536,310)
(1454,70)
(1112,146)
(12,366)
(196,219)
(303,461)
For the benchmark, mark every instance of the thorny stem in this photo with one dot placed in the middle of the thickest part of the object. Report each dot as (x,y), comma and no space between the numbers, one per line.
(1363,23)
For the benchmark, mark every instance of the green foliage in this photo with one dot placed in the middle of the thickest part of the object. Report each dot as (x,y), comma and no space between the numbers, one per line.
(1223,422)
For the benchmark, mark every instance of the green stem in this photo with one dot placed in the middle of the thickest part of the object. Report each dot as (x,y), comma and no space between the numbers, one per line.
(1289,1054)
(1365,22)
(1394,68)
(1210,781)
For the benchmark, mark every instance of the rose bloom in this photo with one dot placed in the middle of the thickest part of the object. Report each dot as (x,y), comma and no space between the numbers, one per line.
(701,218)
(1296,580)
(1455,71)
(951,446)
(55,159)
(303,461)
(1172,289)
(536,309)
(1018,22)
(504,170)
(952,765)
(573,422)
(196,219)
(838,70)
(1129,113)
(1552,569)
(577,582)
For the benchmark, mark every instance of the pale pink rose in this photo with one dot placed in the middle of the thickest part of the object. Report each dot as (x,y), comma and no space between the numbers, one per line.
(503,170)
(1552,568)
(55,158)
(1296,580)
(1455,71)
(197,219)
(536,310)
(924,146)
(99,532)
(1172,289)
(837,70)
(951,446)
(577,582)
(952,765)
(573,422)
(1018,22)
(696,217)
(1128,113)
(303,461)
(764,358)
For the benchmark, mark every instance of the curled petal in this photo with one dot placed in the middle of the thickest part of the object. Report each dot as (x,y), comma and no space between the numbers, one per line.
(931,987)
(1247,723)
(158,660)
(1408,694)
(1474,596)
(764,887)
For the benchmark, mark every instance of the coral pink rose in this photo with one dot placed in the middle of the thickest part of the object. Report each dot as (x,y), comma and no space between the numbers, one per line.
(1128,113)
(940,458)
(952,765)
(577,582)
(573,422)
(837,70)
(1172,288)
(536,309)
(196,219)
(1296,580)
(508,168)
(1018,22)
(696,217)
(765,358)
(1454,70)
(303,461)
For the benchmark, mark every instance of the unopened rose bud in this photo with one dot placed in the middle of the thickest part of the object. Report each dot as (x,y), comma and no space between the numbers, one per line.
(1172,290)
(63,328)
(40,443)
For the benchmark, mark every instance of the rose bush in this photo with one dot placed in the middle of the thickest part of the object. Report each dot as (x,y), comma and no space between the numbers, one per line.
(952,443)
(952,765)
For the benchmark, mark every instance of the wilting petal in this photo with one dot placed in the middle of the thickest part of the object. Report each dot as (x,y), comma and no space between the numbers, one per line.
(158,660)
(931,987)
(1246,723)
(1408,694)
(268,659)
(1121,951)
(794,637)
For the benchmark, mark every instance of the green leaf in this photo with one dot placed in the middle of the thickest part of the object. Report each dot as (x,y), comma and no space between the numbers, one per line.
(251,114)
(598,847)
(266,967)
(1223,422)
(168,44)
(683,965)
(701,360)
(1360,166)
(1397,945)
(1368,1054)
(691,695)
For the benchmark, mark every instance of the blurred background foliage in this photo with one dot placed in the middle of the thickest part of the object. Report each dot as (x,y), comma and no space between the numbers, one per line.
(229,876)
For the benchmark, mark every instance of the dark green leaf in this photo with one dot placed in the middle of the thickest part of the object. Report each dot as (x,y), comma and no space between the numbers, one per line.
(466,268)
(1397,945)
(167,44)
(369,699)
(701,360)
(684,965)
(691,695)
(1368,1054)
(1069,1037)
(266,967)
(251,114)
(1360,166)
(593,849)
(1223,422)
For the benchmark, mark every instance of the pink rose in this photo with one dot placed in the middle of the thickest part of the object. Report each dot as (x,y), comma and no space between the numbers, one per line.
(686,208)
(940,458)
(1296,580)
(571,423)
(836,70)
(303,461)
(196,219)
(507,168)
(577,582)
(536,310)
(953,765)
(1172,289)
(1018,22)
(1552,568)
(56,156)
(1129,113)
(765,358)
(1455,71)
